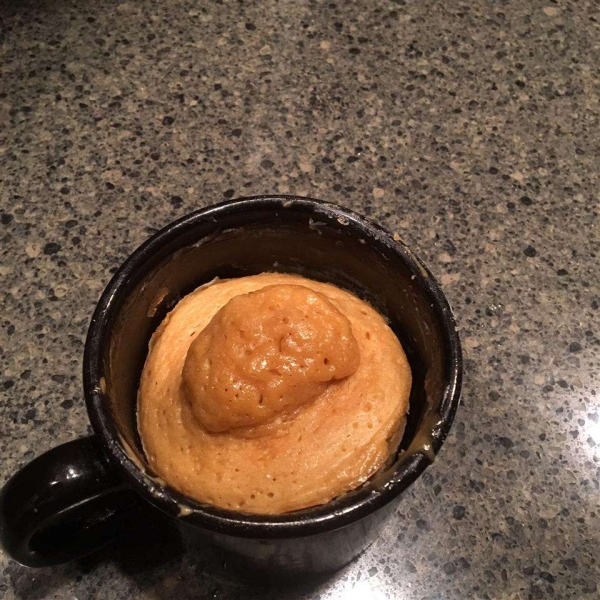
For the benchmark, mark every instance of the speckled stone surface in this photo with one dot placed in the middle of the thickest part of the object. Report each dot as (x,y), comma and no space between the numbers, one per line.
(472,129)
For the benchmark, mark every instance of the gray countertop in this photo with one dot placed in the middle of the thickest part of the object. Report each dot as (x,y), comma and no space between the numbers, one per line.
(471,129)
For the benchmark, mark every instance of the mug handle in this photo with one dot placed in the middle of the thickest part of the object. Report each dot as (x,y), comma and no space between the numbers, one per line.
(65,504)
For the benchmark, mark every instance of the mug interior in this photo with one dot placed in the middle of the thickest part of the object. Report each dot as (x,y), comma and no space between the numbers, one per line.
(290,235)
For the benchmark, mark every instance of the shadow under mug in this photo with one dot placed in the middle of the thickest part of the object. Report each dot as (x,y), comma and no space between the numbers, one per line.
(79,496)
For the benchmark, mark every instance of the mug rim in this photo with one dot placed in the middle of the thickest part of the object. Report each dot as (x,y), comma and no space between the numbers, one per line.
(308,521)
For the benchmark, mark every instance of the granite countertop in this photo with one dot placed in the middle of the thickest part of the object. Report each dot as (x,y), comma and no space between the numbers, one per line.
(472,129)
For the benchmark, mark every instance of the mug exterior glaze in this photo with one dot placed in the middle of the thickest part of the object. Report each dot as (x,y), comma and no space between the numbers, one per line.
(79,496)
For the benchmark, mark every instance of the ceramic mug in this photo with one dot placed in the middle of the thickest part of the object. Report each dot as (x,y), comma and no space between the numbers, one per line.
(79,496)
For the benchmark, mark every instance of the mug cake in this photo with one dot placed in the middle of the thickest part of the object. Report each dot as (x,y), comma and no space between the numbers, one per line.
(271,393)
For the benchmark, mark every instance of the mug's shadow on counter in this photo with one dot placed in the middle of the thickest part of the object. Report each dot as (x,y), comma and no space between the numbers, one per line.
(159,562)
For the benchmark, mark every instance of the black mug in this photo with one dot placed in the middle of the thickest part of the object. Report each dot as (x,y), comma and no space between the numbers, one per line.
(79,496)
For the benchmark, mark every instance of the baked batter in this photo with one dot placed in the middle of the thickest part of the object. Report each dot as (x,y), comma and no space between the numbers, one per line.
(271,393)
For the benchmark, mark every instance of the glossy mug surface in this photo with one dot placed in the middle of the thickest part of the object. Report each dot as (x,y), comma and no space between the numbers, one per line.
(79,496)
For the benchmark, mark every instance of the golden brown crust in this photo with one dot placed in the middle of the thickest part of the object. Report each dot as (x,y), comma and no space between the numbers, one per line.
(263,356)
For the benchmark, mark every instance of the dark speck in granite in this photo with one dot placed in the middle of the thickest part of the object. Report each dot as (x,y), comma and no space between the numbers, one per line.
(471,129)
